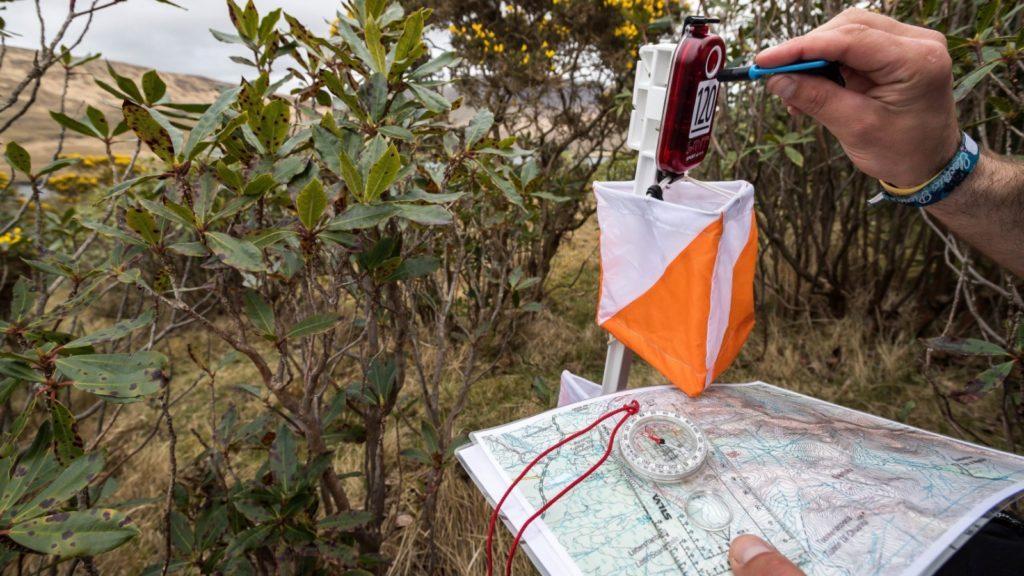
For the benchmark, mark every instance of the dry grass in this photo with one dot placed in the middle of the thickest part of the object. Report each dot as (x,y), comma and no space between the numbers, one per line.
(843,361)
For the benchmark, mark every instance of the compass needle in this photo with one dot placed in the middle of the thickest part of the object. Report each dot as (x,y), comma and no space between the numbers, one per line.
(662,446)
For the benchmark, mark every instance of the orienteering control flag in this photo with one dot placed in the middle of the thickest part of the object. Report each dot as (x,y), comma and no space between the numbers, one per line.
(677,275)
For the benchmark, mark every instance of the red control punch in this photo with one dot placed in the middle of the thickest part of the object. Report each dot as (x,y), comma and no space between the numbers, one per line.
(691,98)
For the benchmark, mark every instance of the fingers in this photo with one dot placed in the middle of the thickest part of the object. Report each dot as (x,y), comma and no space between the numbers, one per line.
(878,55)
(883,23)
(751,556)
(839,109)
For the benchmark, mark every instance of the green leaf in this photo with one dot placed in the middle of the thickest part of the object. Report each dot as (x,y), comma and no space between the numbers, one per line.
(417,455)
(351,175)
(22,298)
(435,65)
(34,466)
(274,122)
(478,127)
(260,185)
(240,254)
(427,214)
(260,313)
(362,216)
(170,211)
(248,538)
(149,130)
(375,48)
(287,168)
(66,443)
(19,371)
(117,376)
(345,521)
(143,223)
(115,332)
(68,483)
(153,87)
(985,382)
(507,188)
(397,132)
(125,84)
(75,533)
(432,100)
(18,158)
(190,249)
(209,121)
(414,268)
(967,83)
(118,189)
(226,38)
(311,203)
(314,324)
(98,121)
(284,458)
(965,346)
(409,43)
(56,165)
(74,125)
(327,147)
(181,533)
(794,156)
(177,139)
(271,237)
(382,174)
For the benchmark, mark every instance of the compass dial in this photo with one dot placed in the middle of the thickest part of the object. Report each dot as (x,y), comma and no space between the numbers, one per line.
(662,446)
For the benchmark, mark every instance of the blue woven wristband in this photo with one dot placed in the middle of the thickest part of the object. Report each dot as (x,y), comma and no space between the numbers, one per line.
(958,169)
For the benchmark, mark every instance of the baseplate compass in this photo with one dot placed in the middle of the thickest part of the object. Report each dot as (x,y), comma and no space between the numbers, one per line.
(662,446)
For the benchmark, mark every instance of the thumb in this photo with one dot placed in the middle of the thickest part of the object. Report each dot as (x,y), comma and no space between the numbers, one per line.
(838,108)
(751,556)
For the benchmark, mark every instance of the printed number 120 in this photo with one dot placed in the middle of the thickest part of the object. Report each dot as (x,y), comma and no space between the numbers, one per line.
(704,107)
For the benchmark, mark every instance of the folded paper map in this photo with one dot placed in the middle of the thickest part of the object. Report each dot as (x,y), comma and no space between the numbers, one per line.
(836,490)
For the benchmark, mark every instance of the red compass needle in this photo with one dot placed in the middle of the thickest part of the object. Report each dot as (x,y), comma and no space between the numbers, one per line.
(657,439)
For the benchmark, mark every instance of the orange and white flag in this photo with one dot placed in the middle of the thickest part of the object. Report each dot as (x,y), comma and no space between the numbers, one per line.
(677,275)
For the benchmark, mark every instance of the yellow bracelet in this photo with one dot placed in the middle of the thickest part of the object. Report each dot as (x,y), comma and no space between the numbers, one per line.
(897,191)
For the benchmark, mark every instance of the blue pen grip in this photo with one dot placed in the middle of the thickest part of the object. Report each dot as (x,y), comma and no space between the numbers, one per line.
(823,68)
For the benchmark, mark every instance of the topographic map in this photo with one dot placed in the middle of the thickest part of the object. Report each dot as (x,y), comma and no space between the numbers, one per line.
(838,491)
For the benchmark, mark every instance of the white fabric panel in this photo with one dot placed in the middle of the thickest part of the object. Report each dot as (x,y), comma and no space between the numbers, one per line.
(574,389)
(735,232)
(640,236)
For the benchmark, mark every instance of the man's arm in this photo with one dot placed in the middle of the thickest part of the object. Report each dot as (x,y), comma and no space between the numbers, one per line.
(896,120)
(987,210)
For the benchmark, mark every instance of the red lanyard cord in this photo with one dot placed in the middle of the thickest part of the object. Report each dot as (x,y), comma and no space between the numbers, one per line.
(629,409)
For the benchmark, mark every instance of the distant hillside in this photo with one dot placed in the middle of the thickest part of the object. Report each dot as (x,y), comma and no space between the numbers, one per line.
(38,132)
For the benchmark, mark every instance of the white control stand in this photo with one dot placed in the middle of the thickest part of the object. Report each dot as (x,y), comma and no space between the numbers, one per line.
(652,71)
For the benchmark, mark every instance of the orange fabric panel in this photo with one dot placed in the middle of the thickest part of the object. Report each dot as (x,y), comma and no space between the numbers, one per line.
(668,325)
(741,311)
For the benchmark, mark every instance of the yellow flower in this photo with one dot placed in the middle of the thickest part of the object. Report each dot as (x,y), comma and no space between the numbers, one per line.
(550,53)
(11,238)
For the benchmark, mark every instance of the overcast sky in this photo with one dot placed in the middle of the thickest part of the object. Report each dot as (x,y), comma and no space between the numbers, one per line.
(159,36)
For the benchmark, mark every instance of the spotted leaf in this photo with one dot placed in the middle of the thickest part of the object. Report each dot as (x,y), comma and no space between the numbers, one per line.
(148,130)
(75,533)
